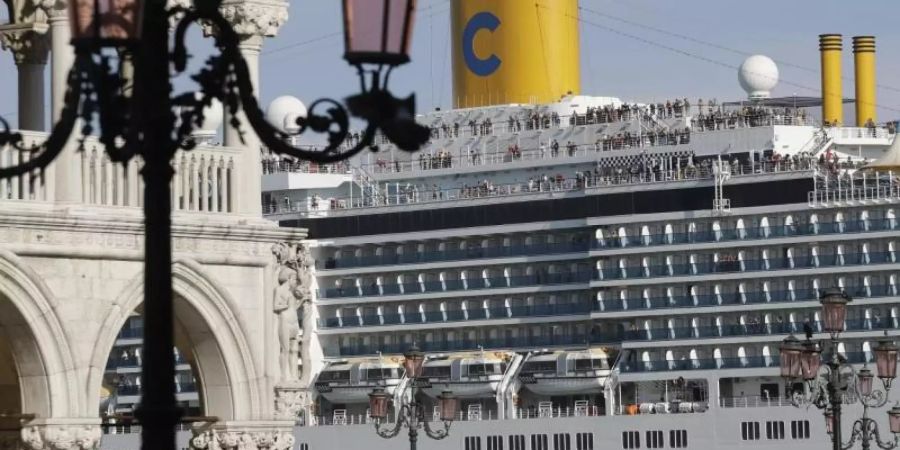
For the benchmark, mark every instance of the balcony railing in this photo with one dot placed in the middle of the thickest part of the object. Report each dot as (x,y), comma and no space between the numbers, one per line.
(737,298)
(747,362)
(737,234)
(467,344)
(746,265)
(454,315)
(454,255)
(426,287)
(749,329)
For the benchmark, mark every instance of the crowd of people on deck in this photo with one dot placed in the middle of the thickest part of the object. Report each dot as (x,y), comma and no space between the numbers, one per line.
(748,117)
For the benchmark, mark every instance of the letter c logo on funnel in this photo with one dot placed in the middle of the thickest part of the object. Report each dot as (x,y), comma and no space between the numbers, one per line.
(478,66)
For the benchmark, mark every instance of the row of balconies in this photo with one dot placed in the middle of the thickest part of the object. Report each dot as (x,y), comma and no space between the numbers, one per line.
(443,285)
(627,365)
(622,269)
(622,237)
(742,261)
(531,307)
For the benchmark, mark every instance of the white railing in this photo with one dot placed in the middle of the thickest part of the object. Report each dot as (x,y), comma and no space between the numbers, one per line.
(607,178)
(31,186)
(754,401)
(859,133)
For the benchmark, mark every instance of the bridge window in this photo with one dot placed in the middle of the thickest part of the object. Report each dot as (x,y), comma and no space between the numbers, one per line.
(539,442)
(750,431)
(631,439)
(774,430)
(584,441)
(655,439)
(517,442)
(678,438)
(799,429)
(562,441)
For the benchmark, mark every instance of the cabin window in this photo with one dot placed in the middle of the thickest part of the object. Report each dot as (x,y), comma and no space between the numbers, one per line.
(473,443)
(379,374)
(678,438)
(335,375)
(495,443)
(517,442)
(539,367)
(539,442)
(631,439)
(750,431)
(774,429)
(562,441)
(799,429)
(587,364)
(303,446)
(436,372)
(584,441)
(655,439)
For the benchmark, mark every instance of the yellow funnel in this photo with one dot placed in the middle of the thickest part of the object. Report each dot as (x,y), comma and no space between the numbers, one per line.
(864,61)
(513,51)
(830,46)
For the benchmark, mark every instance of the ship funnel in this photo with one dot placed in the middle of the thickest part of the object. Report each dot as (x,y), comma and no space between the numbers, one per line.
(864,61)
(830,46)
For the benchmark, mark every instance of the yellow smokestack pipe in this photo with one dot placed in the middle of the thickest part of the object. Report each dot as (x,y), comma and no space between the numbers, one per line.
(830,46)
(864,60)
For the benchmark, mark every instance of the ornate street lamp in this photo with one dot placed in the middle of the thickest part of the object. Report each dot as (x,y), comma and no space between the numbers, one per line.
(412,412)
(834,307)
(143,124)
(827,388)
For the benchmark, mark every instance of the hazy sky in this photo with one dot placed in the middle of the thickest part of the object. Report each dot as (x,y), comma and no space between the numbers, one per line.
(638,50)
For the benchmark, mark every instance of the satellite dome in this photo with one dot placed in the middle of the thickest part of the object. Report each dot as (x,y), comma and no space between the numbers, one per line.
(758,75)
(212,118)
(283,113)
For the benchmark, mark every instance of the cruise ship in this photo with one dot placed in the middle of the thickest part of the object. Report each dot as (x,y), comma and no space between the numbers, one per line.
(592,272)
(597,273)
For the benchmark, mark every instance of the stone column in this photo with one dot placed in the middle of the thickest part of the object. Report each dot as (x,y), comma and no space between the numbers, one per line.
(66,169)
(253,20)
(28,44)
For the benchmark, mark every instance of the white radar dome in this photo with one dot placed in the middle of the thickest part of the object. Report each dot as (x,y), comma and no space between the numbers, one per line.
(758,75)
(212,117)
(283,113)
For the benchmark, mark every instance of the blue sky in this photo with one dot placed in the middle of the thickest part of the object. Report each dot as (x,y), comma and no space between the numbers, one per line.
(638,50)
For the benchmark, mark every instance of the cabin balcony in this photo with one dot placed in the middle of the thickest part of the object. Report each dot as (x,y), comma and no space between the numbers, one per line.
(872,286)
(739,262)
(437,283)
(716,232)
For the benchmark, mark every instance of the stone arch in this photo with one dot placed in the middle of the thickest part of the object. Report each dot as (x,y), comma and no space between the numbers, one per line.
(219,349)
(43,380)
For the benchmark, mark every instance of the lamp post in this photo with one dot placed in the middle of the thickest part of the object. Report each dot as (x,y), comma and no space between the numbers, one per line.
(141,122)
(412,413)
(829,384)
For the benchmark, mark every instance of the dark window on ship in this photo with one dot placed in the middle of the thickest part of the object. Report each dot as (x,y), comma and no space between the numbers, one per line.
(799,429)
(562,441)
(303,447)
(584,441)
(678,438)
(774,430)
(631,439)
(517,442)
(495,443)
(588,364)
(335,375)
(436,372)
(750,431)
(539,367)
(473,443)
(539,442)
(655,439)
(379,374)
